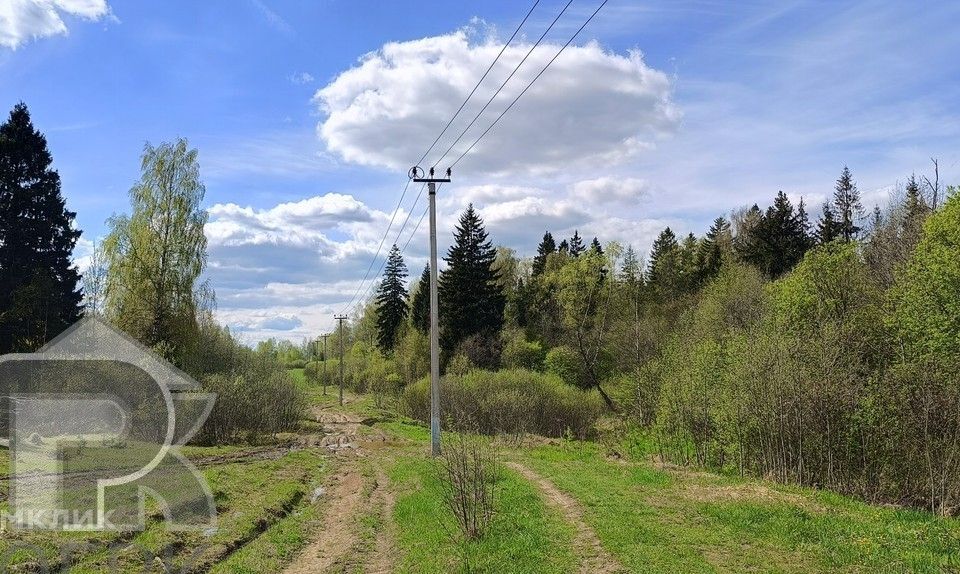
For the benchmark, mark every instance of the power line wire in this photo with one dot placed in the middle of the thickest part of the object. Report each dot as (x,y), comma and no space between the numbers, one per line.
(496,93)
(379,247)
(477,85)
(537,77)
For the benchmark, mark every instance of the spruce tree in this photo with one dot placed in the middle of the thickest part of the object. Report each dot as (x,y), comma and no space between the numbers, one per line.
(596,247)
(391,300)
(564,247)
(471,297)
(420,306)
(804,219)
(39,293)
(630,271)
(915,206)
(846,203)
(710,249)
(576,244)
(663,270)
(546,247)
(827,228)
(779,239)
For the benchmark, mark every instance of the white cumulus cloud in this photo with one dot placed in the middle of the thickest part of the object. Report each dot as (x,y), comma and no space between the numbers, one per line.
(24,20)
(592,107)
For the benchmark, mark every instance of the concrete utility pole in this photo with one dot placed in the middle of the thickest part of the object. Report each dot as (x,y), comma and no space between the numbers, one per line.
(325,335)
(416,174)
(341,319)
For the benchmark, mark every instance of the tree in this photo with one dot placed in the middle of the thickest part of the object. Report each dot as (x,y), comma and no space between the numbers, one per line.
(664,269)
(95,282)
(39,294)
(391,300)
(846,202)
(564,247)
(471,296)
(156,254)
(420,306)
(711,248)
(576,244)
(828,228)
(546,247)
(779,239)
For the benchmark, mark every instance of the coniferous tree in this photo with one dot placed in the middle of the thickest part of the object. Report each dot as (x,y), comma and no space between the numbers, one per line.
(546,247)
(779,240)
(471,295)
(664,268)
(915,207)
(39,294)
(630,270)
(827,228)
(576,244)
(420,306)
(804,219)
(846,203)
(391,300)
(564,247)
(711,247)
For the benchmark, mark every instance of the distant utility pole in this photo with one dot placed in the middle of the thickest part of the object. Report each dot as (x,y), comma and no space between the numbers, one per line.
(416,174)
(341,319)
(325,335)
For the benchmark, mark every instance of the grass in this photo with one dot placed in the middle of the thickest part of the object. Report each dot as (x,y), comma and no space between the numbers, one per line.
(250,496)
(672,520)
(525,536)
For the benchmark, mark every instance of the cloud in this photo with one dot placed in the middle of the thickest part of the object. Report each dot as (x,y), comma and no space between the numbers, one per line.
(612,190)
(302,78)
(25,20)
(592,107)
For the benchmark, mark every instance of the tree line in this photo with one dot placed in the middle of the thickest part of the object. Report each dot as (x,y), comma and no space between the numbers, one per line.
(818,353)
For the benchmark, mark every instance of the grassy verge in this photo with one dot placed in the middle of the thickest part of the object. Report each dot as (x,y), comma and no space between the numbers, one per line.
(525,536)
(676,520)
(250,498)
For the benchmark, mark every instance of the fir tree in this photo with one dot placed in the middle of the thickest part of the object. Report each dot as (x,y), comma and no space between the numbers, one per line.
(471,296)
(420,306)
(827,228)
(663,271)
(915,207)
(804,220)
(710,249)
(546,247)
(564,247)
(39,293)
(630,271)
(391,300)
(779,239)
(596,247)
(846,202)
(576,244)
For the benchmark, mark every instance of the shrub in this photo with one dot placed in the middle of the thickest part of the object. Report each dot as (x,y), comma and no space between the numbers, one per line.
(483,350)
(510,401)
(460,365)
(518,353)
(469,468)
(563,362)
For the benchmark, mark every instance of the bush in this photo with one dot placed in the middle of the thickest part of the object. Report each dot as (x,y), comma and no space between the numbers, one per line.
(511,401)
(482,350)
(518,353)
(564,363)
(469,469)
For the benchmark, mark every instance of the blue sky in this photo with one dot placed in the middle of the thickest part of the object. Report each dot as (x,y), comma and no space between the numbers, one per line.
(306,114)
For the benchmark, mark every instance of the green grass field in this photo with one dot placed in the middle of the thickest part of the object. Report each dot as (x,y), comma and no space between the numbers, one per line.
(650,518)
